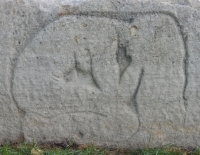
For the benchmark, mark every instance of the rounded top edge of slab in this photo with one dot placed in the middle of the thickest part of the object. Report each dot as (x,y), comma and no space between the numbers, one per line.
(112,5)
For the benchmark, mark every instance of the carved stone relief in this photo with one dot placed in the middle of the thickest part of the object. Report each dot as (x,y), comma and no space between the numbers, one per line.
(83,70)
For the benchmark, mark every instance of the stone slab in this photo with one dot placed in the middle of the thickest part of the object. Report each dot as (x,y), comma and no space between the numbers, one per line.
(110,73)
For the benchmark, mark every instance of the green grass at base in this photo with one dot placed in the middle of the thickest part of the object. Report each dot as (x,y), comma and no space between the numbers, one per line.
(33,149)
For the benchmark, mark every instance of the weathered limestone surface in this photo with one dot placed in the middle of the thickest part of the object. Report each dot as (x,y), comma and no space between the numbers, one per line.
(113,73)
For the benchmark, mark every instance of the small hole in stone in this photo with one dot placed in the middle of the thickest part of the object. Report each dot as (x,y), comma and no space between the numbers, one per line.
(81,134)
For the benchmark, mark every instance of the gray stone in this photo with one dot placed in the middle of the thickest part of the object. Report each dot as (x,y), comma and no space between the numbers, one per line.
(110,73)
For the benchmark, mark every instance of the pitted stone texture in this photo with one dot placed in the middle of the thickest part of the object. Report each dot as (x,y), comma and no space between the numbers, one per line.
(18,22)
(75,76)
(163,80)
(73,64)
(112,73)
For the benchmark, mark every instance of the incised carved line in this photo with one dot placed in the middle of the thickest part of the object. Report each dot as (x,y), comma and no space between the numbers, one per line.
(113,15)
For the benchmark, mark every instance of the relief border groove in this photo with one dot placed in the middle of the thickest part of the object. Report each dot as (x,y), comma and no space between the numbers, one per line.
(115,16)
